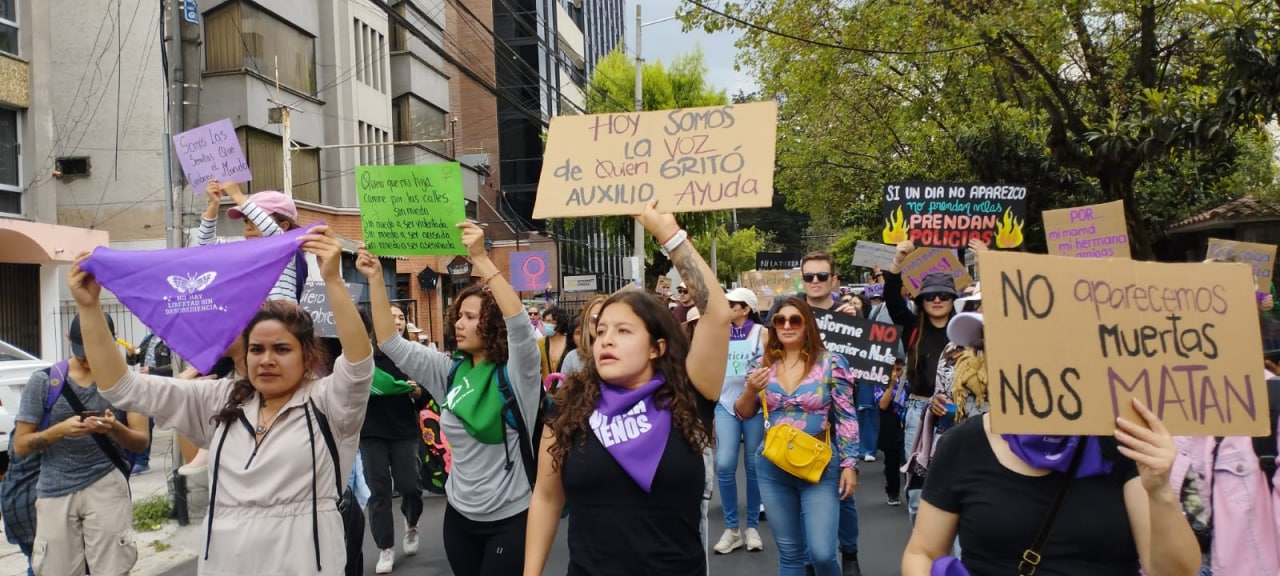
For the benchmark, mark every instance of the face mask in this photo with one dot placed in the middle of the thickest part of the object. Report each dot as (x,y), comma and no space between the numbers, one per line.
(548,329)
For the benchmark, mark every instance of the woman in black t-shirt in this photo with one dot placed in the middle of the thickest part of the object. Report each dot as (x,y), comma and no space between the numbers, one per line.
(625,447)
(995,491)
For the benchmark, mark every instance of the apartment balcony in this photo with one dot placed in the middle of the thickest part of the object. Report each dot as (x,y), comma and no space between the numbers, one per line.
(572,41)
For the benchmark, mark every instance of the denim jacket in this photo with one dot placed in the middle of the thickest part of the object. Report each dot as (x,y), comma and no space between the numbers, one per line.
(1242,507)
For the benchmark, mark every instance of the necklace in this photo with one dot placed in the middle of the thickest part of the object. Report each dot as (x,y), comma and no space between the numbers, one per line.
(262,427)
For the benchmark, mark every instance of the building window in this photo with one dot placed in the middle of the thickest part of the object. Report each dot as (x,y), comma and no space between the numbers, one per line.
(239,36)
(369,47)
(9,27)
(415,119)
(400,36)
(265,156)
(371,154)
(10,161)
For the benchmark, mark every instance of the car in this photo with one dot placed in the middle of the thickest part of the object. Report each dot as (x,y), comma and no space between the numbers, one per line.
(16,366)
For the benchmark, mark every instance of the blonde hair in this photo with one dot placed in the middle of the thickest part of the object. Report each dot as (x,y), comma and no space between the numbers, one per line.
(969,380)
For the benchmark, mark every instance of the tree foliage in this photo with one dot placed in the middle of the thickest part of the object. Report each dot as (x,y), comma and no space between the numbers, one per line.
(735,252)
(1158,104)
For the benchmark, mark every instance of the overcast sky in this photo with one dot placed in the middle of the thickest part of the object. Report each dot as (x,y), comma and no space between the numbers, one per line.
(664,41)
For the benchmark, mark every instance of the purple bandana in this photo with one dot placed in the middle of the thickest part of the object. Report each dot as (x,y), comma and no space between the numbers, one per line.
(1055,452)
(736,333)
(948,566)
(633,429)
(196,299)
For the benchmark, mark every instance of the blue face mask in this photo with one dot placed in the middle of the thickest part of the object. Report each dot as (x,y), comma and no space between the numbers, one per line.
(548,329)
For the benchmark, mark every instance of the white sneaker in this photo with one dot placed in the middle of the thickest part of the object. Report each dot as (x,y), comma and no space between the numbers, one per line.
(729,541)
(869,458)
(386,562)
(410,540)
(754,543)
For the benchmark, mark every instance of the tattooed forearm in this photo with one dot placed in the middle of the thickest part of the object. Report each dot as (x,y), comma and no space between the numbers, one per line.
(694,272)
(38,442)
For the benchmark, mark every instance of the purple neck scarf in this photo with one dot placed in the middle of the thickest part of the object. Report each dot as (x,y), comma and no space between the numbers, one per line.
(736,333)
(1055,453)
(196,299)
(633,429)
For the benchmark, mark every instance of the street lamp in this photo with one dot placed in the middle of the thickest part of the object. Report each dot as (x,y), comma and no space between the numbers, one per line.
(639,230)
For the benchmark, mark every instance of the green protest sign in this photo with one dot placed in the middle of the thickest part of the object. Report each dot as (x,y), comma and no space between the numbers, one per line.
(411,210)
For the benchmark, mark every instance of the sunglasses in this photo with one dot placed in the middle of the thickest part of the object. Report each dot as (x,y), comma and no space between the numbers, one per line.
(939,296)
(793,321)
(682,290)
(816,277)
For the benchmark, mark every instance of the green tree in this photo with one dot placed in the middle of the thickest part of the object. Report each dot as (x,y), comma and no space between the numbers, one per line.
(681,85)
(1157,104)
(735,252)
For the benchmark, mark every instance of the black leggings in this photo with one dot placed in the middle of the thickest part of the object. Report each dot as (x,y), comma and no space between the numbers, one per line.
(891,443)
(484,548)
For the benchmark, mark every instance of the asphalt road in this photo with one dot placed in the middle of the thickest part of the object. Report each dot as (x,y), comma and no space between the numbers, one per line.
(883,534)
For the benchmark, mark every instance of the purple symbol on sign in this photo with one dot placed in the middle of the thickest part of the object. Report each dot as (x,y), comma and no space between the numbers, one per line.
(529,271)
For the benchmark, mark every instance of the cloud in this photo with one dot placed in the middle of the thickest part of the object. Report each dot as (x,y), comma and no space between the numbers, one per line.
(665,41)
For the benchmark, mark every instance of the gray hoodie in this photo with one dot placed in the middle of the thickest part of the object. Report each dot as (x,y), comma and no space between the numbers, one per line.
(480,486)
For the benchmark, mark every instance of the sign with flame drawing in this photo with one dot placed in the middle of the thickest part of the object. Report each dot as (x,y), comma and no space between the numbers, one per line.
(949,215)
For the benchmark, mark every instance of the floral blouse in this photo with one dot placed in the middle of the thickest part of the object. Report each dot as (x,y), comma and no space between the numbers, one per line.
(807,408)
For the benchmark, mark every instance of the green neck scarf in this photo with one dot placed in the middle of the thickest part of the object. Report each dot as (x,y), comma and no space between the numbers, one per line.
(475,399)
(386,385)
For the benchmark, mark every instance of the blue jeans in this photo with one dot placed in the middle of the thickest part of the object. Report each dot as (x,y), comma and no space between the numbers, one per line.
(729,431)
(848,525)
(868,418)
(911,425)
(803,518)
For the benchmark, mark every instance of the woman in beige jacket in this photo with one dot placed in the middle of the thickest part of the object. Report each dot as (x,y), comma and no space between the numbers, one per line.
(273,484)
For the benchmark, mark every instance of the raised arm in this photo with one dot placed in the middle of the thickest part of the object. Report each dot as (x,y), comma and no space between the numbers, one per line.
(709,349)
(208,231)
(427,367)
(384,326)
(351,333)
(99,345)
(503,294)
(893,301)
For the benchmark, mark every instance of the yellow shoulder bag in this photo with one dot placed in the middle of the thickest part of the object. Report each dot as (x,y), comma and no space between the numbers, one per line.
(793,450)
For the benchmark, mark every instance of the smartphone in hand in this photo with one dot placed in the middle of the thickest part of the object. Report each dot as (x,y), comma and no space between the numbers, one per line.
(90,414)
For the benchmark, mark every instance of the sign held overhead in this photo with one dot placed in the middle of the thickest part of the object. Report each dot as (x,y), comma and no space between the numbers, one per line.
(1097,231)
(412,210)
(949,215)
(690,160)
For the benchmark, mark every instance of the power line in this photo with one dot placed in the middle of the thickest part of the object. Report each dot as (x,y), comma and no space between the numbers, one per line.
(420,35)
(820,43)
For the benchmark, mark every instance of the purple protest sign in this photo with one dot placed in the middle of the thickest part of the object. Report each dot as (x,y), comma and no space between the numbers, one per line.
(196,299)
(529,271)
(211,152)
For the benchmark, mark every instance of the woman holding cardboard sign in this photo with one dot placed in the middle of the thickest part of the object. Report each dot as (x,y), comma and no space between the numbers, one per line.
(1053,505)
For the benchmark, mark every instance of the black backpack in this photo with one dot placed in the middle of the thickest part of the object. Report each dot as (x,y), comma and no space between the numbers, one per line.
(352,515)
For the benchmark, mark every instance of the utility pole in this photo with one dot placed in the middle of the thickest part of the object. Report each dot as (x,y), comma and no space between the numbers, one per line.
(286,138)
(639,230)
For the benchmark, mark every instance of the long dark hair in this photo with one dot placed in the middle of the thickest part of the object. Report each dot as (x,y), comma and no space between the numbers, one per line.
(913,347)
(812,347)
(577,398)
(298,322)
(491,327)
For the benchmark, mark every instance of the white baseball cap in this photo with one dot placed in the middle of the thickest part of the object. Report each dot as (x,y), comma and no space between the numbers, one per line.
(744,296)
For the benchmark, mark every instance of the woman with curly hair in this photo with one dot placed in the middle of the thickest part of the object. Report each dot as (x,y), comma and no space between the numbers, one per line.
(625,447)
(487,325)
(807,387)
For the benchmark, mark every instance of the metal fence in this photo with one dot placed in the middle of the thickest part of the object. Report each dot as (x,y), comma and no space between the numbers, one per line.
(128,327)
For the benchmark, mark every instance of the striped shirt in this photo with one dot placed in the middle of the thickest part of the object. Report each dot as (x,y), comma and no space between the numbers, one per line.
(286,287)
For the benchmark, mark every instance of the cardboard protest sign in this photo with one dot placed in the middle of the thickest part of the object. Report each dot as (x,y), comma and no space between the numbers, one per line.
(664,286)
(1096,231)
(315,299)
(412,210)
(1070,342)
(922,262)
(1261,257)
(770,284)
(873,255)
(947,215)
(691,160)
(211,152)
(867,346)
(777,260)
(529,271)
